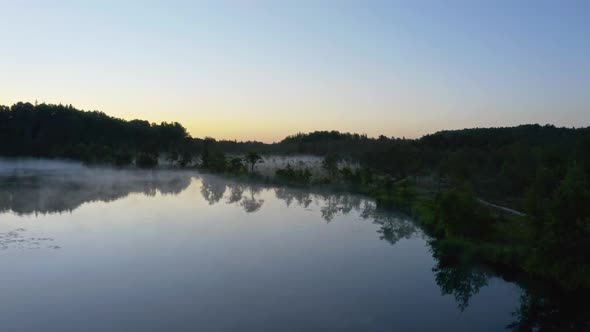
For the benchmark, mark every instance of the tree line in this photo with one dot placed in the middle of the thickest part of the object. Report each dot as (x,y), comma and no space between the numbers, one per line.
(60,131)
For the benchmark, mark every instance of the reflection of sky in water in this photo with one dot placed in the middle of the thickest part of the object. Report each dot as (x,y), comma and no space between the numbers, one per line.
(182,251)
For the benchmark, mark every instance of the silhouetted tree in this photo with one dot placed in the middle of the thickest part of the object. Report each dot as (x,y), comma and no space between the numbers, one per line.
(236,165)
(330,165)
(253,158)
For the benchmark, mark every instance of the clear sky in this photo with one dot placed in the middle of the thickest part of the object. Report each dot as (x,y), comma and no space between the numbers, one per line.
(263,70)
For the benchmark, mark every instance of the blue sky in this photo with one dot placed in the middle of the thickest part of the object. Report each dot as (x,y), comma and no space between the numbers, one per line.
(263,70)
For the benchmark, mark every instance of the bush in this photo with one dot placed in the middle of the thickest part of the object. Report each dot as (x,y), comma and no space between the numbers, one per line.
(458,213)
(294,176)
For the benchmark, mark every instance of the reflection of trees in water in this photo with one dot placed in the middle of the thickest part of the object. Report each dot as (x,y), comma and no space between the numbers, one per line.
(285,195)
(236,190)
(338,203)
(54,192)
(212,191)
(456,275)
(330,204)
(394,227)
(552,312)
(461,281)
(539,309)
(174,186)
(57,192)
(251,203)
(303,198)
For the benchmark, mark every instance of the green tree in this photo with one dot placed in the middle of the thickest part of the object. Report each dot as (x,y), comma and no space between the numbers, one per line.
(253,158)
(185,158)
(330,165)
(236,165)
(571,204)
(216,161)
(457,212)
(208,144)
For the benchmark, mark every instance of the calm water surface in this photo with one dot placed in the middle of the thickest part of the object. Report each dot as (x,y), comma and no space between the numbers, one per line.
(106,250)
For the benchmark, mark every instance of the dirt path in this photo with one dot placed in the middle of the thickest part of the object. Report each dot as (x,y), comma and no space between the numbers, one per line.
(503,208)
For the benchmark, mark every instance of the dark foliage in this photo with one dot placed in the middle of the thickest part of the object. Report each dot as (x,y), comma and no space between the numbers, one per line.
(293,176)
(63,131)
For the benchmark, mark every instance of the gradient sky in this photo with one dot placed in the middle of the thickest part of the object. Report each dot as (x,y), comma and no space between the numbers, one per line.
(262,70)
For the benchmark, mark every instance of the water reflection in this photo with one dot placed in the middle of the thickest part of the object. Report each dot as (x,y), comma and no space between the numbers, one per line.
(303,198)
(541,307)
(540,310)
(462,282)
(250,202)
(33,191)
(212,191)
(27,192)
(246,195)
(393,226)
(49,192)
(236,192)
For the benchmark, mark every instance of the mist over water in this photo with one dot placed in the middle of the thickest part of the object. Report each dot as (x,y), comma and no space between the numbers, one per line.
(42,186)
(161,250)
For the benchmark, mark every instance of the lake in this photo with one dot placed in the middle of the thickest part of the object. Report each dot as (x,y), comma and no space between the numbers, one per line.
(129,250)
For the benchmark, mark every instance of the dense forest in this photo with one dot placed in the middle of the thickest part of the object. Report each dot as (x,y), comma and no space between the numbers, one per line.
(59,131)
(445,179)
